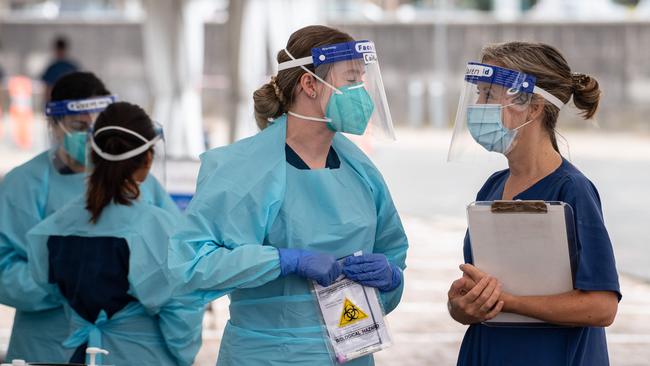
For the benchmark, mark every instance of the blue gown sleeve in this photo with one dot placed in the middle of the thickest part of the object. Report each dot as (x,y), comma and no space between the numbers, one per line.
(20,210)
(596,264)
(180,319)
(390,238)
(219,247)
(148,277)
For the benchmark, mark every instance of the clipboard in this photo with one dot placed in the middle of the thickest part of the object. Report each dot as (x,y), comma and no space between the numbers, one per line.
(530,246)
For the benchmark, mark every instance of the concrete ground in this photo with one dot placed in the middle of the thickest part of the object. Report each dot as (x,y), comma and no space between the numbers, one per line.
(431,196)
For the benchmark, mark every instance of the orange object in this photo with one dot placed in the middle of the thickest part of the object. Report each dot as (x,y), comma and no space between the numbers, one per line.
(21,113)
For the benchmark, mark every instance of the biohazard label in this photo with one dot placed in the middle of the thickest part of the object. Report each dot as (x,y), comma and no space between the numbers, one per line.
(350,314)
(353,319)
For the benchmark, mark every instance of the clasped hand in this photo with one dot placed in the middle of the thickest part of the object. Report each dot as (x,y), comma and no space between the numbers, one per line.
(475,297)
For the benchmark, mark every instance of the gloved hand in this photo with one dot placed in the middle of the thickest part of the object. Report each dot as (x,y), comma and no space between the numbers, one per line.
(320,267)
(373,270)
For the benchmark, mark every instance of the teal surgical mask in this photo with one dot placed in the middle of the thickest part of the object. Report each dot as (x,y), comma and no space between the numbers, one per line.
(74,144)
(350,110)
(485,124)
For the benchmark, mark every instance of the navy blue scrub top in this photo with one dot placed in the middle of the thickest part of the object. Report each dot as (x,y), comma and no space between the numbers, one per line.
(294,159)
(91,273)
(60,166)
(584,346)
(58,69)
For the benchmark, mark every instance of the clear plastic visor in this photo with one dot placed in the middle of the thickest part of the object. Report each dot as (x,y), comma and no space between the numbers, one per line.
(493,106)
(355,98)
(351,94)
(68,141)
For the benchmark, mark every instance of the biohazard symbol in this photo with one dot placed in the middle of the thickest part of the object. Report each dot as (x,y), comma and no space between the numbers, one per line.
(351,313)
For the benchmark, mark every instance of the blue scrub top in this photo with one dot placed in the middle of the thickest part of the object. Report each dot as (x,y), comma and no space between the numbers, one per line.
(57,69)
(332,161)
(92,274)
(585,346)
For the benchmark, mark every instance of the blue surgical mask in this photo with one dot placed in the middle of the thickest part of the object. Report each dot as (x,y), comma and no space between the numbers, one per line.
(74,144)
(350,110)
(485,124)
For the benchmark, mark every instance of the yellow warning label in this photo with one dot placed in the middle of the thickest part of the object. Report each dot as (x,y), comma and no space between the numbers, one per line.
(351,314)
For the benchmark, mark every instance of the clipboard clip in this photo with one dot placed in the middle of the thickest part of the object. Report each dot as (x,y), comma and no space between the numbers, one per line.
(519,207)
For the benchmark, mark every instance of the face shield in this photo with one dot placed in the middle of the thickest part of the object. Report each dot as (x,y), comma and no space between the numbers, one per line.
(157,143)
(70,121)
(493,108)
(352,96)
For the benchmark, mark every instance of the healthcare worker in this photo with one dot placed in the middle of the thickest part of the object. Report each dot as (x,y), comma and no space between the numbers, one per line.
(31,192)
(106,251)
(511,106)
(274,212)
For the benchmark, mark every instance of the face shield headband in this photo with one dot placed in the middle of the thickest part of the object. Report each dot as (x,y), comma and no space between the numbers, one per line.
(351,106)
(64,108)
(515,80)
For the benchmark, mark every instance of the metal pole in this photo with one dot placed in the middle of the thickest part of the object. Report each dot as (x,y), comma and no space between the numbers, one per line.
(437,85)
(233,26)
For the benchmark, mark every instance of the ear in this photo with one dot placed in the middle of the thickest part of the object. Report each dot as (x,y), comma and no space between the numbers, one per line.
(55,126)
(141,173)
(308,85)
(149,160)
(536,110)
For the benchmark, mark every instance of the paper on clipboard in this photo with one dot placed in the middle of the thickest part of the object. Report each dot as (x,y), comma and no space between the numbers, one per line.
(528,245)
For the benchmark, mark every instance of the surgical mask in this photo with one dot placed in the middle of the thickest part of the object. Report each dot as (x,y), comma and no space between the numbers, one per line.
(485,124)
(74,144)
(348,110)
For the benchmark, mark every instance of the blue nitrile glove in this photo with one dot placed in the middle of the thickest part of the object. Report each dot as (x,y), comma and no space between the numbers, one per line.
(373,270)
(320,267)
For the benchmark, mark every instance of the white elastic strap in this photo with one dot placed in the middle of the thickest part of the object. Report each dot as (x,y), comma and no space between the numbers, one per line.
(548,96)
(300,64)
(294,63)
(515,129)
(127,155)
(316,119)
(65,129)
(118,128)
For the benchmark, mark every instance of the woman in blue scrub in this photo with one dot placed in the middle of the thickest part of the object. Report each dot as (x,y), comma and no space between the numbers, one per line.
(274,212)
(105,253)
(519,89)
